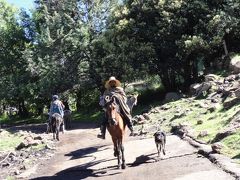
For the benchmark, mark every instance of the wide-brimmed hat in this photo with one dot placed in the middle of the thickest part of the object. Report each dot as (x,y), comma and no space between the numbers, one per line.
(107,85)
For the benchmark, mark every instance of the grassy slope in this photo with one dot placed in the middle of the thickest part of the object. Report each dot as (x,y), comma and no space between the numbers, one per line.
(213,122)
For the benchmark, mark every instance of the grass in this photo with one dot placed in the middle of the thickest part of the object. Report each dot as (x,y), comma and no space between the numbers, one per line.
(39,147)
(83,116)
(87,116)
(9,141)
(14,121)
(10,178)
(232,146)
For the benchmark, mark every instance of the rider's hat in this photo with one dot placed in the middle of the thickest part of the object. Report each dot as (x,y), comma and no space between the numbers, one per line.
(55,97)
(112,78)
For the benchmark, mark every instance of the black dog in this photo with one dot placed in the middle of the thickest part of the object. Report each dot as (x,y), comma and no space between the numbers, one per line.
(160,140)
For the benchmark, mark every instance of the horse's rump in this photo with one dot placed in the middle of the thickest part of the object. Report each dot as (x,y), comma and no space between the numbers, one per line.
(56,122)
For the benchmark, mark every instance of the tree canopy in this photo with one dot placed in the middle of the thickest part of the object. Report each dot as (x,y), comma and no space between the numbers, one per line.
(72,47)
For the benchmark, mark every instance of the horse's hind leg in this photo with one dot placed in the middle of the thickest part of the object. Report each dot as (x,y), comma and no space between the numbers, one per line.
(123,156)
(117,151)
(57,132)
(119,156)
(115,146)
(63,127)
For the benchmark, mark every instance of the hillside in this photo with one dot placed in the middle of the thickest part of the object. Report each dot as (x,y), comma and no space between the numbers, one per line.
(209,115)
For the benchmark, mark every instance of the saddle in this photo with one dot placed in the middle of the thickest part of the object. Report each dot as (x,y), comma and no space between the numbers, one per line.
(122,107)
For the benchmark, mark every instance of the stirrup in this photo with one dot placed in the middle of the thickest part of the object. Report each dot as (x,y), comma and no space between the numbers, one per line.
(101,136)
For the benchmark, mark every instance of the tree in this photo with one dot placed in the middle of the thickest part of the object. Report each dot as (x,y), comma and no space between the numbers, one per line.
(14,75)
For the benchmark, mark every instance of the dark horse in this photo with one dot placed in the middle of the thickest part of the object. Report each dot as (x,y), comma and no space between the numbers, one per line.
(116,128)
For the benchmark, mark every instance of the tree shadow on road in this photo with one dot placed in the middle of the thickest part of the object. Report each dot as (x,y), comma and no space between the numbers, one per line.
(86,170)
(76,173)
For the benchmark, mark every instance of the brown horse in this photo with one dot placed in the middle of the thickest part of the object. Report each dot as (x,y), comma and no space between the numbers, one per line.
(116,128)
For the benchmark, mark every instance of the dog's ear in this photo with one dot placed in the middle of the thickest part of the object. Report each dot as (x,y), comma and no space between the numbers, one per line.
(155,134)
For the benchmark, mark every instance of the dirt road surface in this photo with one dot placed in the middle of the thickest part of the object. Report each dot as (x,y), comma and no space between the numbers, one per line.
(80,155)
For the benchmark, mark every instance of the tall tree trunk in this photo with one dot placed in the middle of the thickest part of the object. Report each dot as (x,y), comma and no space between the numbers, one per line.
(79,100)
(226,59)
(168,80)
(23,112)
(40,110)
(190,71)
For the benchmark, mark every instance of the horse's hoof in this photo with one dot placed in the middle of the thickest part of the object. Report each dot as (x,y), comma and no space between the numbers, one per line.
(123,166)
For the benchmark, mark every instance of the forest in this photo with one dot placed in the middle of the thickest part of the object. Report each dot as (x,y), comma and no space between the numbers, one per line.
(72,47)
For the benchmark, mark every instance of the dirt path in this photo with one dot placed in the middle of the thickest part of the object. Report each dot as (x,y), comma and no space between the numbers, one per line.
(83,156)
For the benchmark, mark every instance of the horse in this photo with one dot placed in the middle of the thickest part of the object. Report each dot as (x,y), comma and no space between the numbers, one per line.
(67,118)
(116,129)
(56,123)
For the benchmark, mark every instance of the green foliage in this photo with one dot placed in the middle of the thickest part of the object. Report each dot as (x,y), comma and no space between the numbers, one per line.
(74,46)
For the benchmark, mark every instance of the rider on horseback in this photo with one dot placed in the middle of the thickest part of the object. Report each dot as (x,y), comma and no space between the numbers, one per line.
(55,107)
(113,87)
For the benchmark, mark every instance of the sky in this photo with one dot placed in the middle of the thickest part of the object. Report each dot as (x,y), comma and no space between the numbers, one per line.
(27,4)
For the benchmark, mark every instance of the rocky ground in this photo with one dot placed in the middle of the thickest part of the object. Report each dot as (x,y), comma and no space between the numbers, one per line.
(33,146)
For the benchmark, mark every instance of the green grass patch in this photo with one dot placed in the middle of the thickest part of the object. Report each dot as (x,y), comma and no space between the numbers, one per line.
(87,116)
(14,121)
(9,141)
(232,146)
(10,178)
(39,147)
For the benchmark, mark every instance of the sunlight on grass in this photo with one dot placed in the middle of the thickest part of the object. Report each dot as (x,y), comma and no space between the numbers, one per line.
(39,147)
(232,145)
(18,121)
(9,142)
(189,112)
(86,116)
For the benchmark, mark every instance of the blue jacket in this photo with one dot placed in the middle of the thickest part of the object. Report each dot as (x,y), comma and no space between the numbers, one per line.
(56,107)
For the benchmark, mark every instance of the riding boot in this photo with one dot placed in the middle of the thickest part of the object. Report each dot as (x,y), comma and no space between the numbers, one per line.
(130,126)
(103,131)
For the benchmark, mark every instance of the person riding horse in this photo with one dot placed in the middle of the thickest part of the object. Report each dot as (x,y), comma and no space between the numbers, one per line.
(55,107)
(113,87)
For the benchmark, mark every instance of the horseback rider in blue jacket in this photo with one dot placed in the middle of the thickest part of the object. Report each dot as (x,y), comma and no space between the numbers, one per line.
(55,107)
